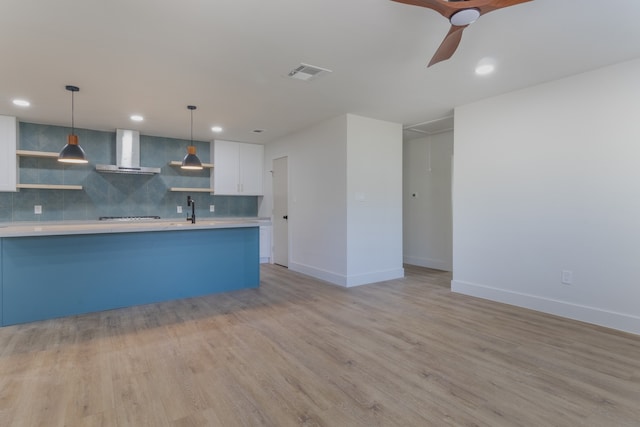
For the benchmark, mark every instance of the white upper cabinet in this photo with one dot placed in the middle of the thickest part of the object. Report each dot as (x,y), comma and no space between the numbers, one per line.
(238,168)
(226,167)
(251,169)
(8,158)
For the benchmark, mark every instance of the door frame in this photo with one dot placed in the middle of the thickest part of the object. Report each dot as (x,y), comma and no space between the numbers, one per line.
(289,205)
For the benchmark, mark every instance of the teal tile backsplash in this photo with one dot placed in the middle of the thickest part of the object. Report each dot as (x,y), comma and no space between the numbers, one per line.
(111,194)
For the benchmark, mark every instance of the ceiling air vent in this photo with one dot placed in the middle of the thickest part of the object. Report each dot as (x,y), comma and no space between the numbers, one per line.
(307,72)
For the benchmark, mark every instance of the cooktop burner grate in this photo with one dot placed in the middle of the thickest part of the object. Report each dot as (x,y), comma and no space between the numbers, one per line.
(128,218)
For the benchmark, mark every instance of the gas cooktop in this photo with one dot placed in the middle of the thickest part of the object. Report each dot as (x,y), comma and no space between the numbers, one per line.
(128,218)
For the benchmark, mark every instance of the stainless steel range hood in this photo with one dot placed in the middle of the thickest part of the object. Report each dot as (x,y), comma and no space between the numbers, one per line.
(127,155)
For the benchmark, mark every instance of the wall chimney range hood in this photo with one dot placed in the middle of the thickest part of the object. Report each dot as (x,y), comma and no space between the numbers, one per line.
(127,155)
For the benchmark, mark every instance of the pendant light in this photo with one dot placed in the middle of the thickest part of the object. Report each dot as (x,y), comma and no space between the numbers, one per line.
(72,152)
(191,161)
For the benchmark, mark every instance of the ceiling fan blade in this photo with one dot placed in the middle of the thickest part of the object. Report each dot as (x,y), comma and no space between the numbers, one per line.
(448,45)
(439,6)
(465,11)
(499,4)
(449,8)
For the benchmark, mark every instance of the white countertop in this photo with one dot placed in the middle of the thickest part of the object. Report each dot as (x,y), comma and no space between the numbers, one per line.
(57,228)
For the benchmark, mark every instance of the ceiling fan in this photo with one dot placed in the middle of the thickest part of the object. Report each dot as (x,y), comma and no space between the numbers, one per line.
(461,13)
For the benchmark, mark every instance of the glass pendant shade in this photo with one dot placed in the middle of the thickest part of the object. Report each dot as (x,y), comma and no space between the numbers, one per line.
(72,152)
(191,161)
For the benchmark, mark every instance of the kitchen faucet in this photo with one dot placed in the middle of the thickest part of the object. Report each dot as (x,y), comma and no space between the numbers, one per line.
(192,203)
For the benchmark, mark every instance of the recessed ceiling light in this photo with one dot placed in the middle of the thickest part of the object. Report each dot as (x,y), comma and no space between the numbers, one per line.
(21,102)
(485,67)
(483,70)
(216,129)
(137,118)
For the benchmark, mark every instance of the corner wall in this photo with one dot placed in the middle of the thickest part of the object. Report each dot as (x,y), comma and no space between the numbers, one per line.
(334,237)
(374,200)
(317,197)
(547,179)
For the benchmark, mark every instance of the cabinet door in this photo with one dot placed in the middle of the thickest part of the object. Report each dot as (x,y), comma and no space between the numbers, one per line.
(265,244)
(226,166)
(8,159)
(251,169)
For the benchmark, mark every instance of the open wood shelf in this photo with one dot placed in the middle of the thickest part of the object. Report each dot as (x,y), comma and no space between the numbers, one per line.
(50,186)
(193,190)
(42,154)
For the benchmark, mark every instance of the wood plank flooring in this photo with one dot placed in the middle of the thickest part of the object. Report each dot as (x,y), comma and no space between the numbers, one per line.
(299,352)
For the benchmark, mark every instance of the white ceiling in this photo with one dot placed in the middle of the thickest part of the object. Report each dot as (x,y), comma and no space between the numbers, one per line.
(230,58)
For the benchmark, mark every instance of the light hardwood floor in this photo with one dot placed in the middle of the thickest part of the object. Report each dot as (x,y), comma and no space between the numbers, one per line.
(299,352)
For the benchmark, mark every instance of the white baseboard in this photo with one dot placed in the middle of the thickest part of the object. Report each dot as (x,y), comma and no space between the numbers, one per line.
(596,316)
(427,262)
(327,276)
(347,281)
(375,277)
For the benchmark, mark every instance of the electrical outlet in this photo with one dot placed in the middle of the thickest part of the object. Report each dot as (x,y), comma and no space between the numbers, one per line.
(567,277)
(212,208)
(179,209)
(37,209)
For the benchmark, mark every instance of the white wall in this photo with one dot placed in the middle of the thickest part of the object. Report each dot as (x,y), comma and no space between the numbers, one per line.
(374,200)
(317,161)
(330,234)
(548,179)
(427,225)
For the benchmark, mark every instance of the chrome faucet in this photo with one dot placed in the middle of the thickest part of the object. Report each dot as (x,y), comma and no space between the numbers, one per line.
(192,203)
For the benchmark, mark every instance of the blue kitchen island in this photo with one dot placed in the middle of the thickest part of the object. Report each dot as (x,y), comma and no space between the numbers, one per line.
(56,270)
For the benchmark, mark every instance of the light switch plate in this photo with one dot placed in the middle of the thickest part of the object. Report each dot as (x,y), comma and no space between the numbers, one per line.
(37,209)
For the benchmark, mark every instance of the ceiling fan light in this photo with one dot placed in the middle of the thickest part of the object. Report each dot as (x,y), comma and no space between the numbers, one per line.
(464,17)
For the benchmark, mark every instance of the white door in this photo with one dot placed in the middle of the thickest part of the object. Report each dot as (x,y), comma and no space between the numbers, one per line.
(280,211)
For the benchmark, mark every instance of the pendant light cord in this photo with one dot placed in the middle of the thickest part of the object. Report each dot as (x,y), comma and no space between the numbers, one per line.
(72,89)
(72,109)
(191,108)
(191,161)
